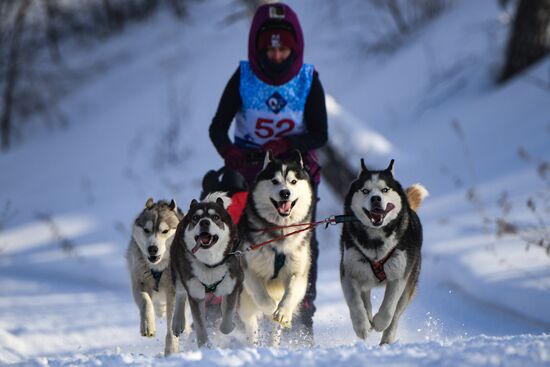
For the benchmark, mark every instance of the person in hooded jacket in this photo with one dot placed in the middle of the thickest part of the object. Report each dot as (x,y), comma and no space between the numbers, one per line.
(278,104)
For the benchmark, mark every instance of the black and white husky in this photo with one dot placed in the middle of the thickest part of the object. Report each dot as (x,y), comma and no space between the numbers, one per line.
(381,248)
(203,262)
(276,274)
(148,257)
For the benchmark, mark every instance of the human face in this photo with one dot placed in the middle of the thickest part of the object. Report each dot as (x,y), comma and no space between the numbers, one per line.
(278,54)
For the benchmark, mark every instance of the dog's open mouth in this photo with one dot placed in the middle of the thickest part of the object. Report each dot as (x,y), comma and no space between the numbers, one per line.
(284,207)
(204,240)
(153,259)
(377,215)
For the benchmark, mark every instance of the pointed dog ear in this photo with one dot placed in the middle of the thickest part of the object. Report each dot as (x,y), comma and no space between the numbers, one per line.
(298,158)
(219,201)
(268,158)
(173,206)
(363,166)
(149,204)
(390,167)
(193,203)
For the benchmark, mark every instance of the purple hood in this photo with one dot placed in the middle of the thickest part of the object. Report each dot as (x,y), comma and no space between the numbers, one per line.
(261,17)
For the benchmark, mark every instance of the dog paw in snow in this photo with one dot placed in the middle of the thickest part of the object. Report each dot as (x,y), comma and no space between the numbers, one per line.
(148,327)
(381,321)
(283,317)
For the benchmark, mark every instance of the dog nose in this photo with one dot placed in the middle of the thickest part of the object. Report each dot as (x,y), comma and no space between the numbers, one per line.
(376,200)
(152,250)
(204,223)
(284,194)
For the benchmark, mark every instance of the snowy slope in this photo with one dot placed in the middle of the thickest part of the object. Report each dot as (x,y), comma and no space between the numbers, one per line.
(139,129)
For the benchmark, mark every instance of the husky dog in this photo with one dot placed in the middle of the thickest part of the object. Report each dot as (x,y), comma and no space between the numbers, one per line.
(276,274)
(148,258)
(203,262)
(380,248)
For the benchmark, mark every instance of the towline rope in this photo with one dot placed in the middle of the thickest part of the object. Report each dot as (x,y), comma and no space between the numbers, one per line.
(332,220)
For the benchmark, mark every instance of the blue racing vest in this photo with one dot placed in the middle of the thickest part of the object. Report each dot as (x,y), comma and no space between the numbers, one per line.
(270,112)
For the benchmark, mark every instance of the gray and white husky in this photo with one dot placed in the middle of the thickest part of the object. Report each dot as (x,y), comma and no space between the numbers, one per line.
(276,274)
(202,262)
(381,248)
(148,258)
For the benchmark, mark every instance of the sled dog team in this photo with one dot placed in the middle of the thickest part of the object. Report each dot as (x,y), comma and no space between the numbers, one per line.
(260,266)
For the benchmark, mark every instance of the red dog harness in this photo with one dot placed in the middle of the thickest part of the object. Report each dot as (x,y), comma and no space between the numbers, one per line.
(377,266)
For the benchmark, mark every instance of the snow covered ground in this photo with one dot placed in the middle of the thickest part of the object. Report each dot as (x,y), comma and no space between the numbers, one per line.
(139,129)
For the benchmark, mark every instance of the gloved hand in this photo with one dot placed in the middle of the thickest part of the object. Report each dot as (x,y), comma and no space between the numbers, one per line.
(278,146)
(234,157)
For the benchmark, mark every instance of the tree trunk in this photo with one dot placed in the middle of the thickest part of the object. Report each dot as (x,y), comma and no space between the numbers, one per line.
(12,74)
(530,37)
(51,29)
(336,171)
(397,16)
(114,17)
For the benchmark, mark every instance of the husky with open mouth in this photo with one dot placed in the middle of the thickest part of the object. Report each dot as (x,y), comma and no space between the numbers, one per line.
(276,273)
(380,248)
(203,262)
(148,259)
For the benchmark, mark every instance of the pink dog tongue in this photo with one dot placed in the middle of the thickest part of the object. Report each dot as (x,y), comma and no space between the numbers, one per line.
(197,247)
(284,206)
(378,214)
(203,239)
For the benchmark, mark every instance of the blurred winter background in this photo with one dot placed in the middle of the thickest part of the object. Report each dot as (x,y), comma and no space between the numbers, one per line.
(104,103)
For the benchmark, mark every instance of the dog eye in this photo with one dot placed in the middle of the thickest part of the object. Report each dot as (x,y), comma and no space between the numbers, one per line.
(274,182)
(165,231)
(215,217)
(365,191)
(195,218)
(293,182)
(385,189)
(146,230)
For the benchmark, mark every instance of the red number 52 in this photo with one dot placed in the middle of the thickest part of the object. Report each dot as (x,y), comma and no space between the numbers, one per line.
(265,128)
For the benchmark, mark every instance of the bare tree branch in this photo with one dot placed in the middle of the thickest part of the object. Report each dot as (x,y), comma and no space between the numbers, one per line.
(11,74)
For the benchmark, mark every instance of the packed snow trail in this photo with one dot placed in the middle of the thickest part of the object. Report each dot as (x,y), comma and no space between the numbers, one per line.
(520,351)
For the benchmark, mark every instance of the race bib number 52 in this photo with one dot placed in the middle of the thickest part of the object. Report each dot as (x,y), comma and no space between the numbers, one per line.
(267,128)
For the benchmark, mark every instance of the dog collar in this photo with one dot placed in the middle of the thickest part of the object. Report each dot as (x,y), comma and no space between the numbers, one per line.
(156,275)
(216,264)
